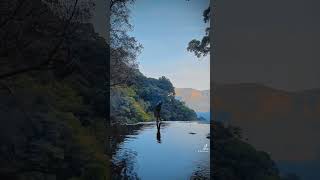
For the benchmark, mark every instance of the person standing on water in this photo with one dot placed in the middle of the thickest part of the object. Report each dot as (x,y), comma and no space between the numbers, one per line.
(157,110)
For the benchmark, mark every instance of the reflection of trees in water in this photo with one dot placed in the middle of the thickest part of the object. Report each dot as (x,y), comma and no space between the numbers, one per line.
(123,167)
(118,134)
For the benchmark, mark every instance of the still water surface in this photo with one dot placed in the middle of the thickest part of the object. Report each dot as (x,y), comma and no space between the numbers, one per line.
(180,150)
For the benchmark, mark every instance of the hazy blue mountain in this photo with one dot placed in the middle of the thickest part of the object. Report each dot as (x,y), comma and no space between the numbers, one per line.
(204,115)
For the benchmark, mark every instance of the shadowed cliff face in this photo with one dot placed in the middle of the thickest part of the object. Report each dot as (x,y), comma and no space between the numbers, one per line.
(281,123)
(195,99)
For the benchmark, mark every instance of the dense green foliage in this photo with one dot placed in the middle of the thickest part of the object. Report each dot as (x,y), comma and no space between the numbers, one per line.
(135,101)
(52,96)
(202,47)
(50,133)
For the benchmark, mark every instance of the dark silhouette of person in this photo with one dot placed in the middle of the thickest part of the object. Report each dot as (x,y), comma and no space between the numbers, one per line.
(158,134)
(157,110)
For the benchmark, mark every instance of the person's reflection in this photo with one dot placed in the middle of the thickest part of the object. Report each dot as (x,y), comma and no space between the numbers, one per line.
(158,133)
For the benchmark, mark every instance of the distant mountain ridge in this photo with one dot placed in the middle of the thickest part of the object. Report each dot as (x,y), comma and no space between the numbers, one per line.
(292,117)
(281,123)
(204,116)
(197,100)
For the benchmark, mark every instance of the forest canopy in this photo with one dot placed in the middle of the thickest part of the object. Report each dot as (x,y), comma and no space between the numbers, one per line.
(135,102)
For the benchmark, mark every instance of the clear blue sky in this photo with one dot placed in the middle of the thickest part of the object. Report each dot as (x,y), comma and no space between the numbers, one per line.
(164,28)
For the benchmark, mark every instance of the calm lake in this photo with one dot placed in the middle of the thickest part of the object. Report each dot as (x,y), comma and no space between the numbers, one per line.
(180,150)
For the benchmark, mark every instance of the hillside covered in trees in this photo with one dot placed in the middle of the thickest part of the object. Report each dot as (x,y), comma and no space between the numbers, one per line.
(135,102)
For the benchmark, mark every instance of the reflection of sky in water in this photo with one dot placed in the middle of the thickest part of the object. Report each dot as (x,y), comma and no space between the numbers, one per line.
(176,157)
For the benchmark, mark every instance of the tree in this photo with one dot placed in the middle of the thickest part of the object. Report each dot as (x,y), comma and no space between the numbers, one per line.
(165,84)
(26,27)
(202,47)
(124,48)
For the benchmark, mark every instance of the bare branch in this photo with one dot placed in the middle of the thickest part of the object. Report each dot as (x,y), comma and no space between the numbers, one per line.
(51,53)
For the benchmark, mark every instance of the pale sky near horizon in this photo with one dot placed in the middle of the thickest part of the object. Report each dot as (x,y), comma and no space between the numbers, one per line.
(164,28)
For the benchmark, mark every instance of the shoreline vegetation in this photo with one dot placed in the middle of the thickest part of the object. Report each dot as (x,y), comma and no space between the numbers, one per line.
(135,102)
